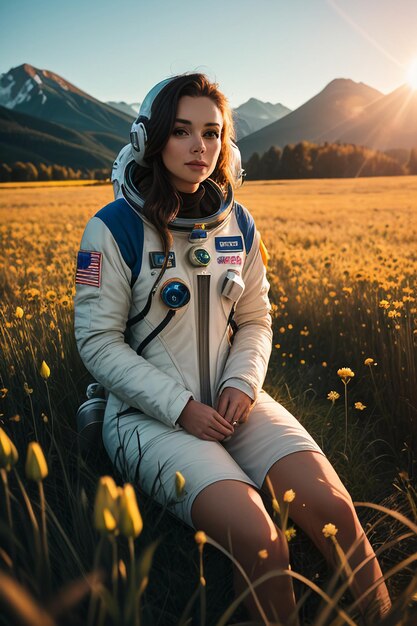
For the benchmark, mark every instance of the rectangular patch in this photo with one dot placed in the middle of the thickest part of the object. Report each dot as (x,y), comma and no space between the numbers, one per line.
(233,259)
(229,244)
(156,259)
(88,268)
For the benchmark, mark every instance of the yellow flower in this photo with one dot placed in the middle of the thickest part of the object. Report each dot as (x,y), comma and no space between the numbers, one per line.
(51,295)
(106,500)
(324,364)
(15,418)
(394,314)
(19,312)
(275,505)
(36,467)
(290,533)
(368,361)
(64,301)
(179,484)
(360,406)
(384,304)
(130,522)
(28,390)
(109,521)
(200,537)
(345,374)
(263,554)
(8,453)
(5,449)
(122,570)
(329,530)
(289,495)
(333,396)
(3,393)
(44,371)
(264,253)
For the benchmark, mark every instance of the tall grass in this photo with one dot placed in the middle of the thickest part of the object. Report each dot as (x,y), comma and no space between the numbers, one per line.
(338,250)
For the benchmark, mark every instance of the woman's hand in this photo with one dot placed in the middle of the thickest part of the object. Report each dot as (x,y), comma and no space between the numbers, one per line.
(234,405)
(204,422)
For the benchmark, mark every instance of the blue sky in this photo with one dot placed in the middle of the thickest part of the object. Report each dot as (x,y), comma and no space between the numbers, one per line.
(275,50)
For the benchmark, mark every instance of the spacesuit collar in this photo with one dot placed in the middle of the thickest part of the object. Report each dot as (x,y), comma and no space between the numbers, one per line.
(225,203)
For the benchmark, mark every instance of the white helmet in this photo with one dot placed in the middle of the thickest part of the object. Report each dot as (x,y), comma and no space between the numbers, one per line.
(135,151)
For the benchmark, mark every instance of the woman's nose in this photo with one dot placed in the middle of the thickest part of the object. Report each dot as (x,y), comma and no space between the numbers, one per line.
(199,145)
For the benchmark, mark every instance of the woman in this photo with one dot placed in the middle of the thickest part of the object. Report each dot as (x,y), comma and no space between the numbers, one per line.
(172,317)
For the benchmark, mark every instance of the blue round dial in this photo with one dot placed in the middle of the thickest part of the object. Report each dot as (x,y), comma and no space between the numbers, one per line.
(175,294)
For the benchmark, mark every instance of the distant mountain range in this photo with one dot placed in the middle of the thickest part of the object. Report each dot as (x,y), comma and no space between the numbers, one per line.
(346,112)
(44,118)
(131,110)
(248,117)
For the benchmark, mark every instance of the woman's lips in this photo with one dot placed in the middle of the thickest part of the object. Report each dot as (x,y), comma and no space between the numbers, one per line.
(195,166)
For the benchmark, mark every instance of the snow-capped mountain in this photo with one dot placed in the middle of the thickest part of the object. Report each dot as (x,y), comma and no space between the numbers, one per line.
(47,95)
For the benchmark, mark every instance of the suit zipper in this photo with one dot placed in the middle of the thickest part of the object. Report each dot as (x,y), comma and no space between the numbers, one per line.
(203,290)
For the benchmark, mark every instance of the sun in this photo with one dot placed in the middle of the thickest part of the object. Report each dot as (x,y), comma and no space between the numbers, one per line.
(412,74)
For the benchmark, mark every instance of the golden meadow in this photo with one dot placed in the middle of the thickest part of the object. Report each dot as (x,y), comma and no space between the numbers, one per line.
(342,268)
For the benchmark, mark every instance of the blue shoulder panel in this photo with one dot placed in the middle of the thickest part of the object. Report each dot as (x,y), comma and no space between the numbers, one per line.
(126,227)
(246,225)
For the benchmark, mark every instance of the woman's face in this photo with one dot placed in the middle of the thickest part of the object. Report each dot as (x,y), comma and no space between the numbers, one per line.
(193,148)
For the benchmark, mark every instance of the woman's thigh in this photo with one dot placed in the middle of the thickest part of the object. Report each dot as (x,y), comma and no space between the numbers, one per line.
(271,433)
(151,453)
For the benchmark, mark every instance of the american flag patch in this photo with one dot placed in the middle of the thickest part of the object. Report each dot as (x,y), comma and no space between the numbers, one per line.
(88,268)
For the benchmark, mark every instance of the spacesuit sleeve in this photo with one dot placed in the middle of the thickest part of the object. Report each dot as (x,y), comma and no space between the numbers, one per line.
(247,363)
(102,304)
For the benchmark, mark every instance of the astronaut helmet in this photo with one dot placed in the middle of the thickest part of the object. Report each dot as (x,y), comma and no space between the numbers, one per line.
(135,151)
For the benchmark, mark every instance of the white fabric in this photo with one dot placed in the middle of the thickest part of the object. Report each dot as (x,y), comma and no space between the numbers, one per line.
(148,392)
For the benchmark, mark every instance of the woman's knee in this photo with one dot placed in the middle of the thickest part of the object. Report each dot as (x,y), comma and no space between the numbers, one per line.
(232,513)
(337,510)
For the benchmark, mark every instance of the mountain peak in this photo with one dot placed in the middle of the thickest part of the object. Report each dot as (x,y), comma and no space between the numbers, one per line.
(347,85)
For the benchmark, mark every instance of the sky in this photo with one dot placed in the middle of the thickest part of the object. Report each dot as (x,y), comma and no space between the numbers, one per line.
(274,50)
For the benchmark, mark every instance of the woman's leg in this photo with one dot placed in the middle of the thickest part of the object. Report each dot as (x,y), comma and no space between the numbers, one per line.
(233,514)
(320,499)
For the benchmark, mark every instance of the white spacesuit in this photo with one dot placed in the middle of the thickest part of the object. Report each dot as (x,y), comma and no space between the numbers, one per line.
(156,341)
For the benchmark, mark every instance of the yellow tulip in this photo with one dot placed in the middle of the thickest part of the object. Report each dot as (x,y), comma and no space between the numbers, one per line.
(5,450)
(130,523)
(109,521)
(179,484)
(36,467)
(19,312)
(200,537)
(14,455)
(106,504)
(45,372)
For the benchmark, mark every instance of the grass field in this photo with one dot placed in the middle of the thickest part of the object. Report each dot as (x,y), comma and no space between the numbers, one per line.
(343,268)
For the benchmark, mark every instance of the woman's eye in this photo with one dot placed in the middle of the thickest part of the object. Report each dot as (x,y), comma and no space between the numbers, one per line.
(212,133)
(179,132)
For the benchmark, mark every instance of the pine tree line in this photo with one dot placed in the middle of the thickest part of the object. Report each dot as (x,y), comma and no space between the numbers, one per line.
(25,172)
(301,160)
(309,160)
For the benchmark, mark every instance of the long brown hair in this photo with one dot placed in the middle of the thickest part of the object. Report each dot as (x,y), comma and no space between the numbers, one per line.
(162,201)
